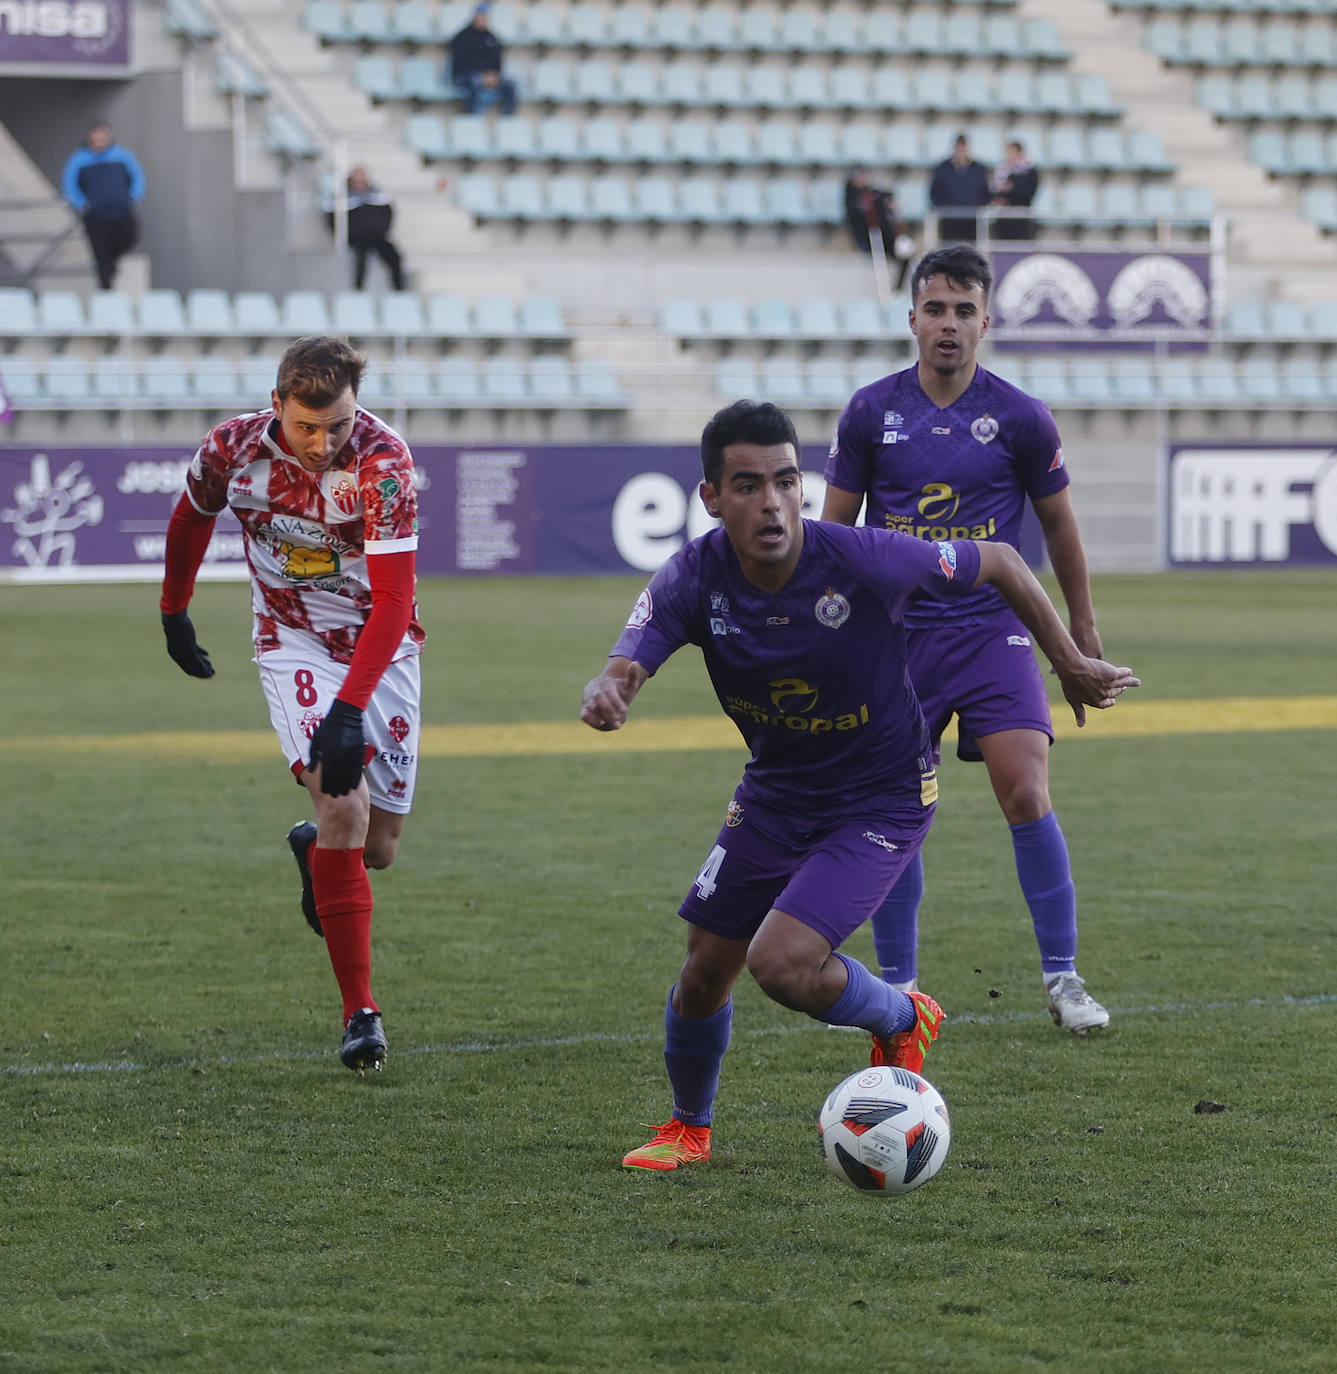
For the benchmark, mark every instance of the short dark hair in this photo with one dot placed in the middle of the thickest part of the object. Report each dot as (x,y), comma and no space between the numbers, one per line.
(961,263)
(744,422)
(317,370)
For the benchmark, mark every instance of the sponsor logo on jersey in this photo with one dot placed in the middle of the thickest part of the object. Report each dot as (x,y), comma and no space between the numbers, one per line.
(831,610)
(880,840)
(641,611)
(399,729)
(894,436)
(398,760)
(985,429)
(734,816)
(721,627)
(942,429)
(947,559)
(892,419)
(793,707)
(305,565)
(1058,460)
(1022,640)
(792,694)
(719,603)
(388,487)
(777,620)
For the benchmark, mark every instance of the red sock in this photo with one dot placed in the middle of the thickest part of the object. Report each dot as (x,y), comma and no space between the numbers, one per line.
(343,903)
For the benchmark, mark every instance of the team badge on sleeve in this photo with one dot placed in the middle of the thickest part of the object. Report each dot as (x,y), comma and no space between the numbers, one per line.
(1058,460)
(641,611)
(947,560)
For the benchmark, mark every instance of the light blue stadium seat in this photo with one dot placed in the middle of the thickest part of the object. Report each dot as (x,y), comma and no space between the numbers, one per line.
(415,382)
(595,83)
(457,382)
(1215,93)
(286,136)
(860,318)
(1054,93)
(1041,39)
(541,318)
(538,26)
(328,20)
(550,79)
(209,313)
(734,143)
(110,312)
(1197,204)
(656,200)
(767,86)
(1244,320)
(1118,201)
(1066,148)
(776,143)
(724,86)
(782,380)
(602,140)
(904,146)
(1165,38)
(477,194)
(681,28)
(799,29)
(1287,320)
(1218,379)
(68,380)
(503,380)
(556,138)
(162,314)
(256,313)
(611,200)
(1202,44)
(214,381)
(18,312)
(882,33)
(1133,380)
(760,29)
(568,199)
(681,317)
(551,381)
(1309,153)
(1292,97)
(1077,203)
(840,31)
(1014,90)
(818,144)
(815,318)
(114,380)
(1260,382)
(1270,150)
(741,203)
(1047,379)
(1002,36)
(1094,96)
(597,383)
(60,312)
(256,374)
(1177,380)
(1319,203)
(520,197)
(1318,45)
(689,142)
(448,316)
(1278,44)
(413,22)
(23,381)
(422,78)
(647,140)
(638,84)
(305,312)
(369,22)
(1302,381)
(891,91)
(785,202)
(377,391)
(587,25)
(680,84)
(1323,320)
(1146,151)
(726,317)
(809,88)
(376,75)
(922,33)
(164,380)
(515,139)
(963,34)
(736,378)
(631,25)
(425,134)
(860,145)
(1105,149)
(773,318)
(233,75)
(353,313)
(826,382)
(402,315)
(912,201)
(1158,201)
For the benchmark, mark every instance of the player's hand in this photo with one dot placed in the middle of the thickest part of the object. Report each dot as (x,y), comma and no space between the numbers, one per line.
(603,704)
(1093,682)
(182,646)
(337,746)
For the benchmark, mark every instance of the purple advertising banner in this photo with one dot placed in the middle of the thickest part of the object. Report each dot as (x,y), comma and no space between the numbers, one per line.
(100,514)
(65,33)
(1135,299)
(1255,505)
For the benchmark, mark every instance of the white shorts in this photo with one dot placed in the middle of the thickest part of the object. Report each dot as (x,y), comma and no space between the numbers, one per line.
(300,685)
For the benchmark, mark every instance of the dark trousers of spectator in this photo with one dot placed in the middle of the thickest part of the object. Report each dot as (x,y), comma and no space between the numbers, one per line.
(388,254)
(478,95)
(110,240)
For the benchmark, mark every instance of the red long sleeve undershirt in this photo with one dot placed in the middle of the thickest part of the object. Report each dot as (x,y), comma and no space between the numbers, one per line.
(392,583)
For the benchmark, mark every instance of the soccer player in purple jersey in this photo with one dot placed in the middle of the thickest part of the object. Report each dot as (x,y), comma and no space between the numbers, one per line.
(947,450)
(800,626)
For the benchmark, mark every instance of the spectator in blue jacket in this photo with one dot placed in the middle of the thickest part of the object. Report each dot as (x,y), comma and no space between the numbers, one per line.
(104,182)
(475,66)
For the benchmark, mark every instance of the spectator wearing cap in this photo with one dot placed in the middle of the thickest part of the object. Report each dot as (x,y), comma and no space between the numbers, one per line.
(475,66)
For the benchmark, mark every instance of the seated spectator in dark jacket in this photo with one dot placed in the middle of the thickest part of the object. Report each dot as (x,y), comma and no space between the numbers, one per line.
(104,182)
(959,182)
(475,66)
(869,207)
(370,215)
(1015,184)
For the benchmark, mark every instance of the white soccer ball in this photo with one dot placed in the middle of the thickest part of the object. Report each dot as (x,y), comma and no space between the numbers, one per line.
(884,1130)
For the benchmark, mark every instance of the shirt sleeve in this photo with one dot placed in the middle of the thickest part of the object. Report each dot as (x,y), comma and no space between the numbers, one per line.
(389,500)
(849,463)
(898,567)
(660,622)
(207,476)
(1039,455)
(392,577)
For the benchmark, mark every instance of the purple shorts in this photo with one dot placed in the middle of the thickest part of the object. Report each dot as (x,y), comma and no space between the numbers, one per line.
(985,674)
(832,878)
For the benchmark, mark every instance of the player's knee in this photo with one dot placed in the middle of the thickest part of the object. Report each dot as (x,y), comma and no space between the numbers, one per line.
(380,854)
(1024,802)
(780,978)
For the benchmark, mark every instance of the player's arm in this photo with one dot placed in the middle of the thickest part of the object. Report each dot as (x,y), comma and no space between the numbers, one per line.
(1087,681)
(604,702)
(1067,557)
(841,507)
(338,742)
(188,534)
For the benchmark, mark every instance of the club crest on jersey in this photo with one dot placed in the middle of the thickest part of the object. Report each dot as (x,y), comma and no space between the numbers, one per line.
(399,729)
(985,429)
(343,494)
(831,610)
(734,816)
(947,560)
(641,611)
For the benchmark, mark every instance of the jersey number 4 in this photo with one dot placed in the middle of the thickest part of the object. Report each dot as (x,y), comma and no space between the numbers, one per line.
(710,871)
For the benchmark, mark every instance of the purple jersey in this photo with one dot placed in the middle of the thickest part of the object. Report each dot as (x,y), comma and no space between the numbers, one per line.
(960,473)
(813,675)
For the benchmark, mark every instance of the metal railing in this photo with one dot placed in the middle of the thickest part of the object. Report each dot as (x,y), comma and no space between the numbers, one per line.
(33,234)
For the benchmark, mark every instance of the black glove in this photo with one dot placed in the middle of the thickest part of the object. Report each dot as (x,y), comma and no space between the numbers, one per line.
(182,647)
(337,746)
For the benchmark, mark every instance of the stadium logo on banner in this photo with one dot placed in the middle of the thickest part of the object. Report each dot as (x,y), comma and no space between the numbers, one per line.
(48,511)
(1158,280)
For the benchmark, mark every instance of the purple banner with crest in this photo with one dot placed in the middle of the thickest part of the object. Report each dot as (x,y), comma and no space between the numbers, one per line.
(65,33)
(1135,299)
(100,514)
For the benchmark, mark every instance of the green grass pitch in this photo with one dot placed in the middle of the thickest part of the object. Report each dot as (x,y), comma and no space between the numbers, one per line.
(189,1180)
